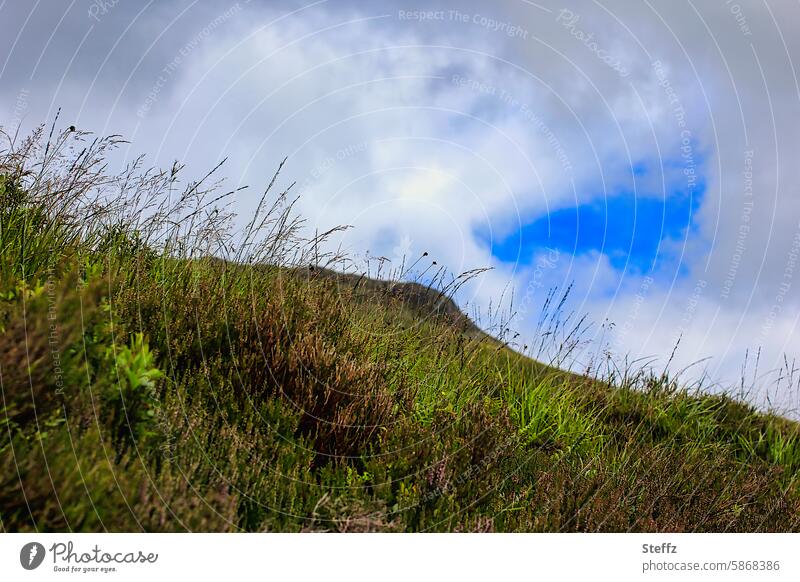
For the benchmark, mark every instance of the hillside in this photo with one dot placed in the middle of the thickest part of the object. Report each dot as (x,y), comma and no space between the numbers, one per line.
(150,387)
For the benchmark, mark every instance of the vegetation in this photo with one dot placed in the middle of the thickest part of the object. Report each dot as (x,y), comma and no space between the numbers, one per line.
(162,370)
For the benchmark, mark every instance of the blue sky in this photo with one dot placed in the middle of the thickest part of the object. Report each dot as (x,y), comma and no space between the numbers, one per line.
(627,225)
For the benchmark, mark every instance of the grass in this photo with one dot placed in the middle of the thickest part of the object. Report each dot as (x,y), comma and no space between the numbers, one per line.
(162,370)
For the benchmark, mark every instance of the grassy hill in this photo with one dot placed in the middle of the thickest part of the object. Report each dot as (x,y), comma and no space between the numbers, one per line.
(149,386)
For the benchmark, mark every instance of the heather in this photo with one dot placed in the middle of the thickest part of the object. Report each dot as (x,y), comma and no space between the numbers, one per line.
(165,367)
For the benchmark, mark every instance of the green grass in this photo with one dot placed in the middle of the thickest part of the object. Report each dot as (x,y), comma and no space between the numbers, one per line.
(149,386)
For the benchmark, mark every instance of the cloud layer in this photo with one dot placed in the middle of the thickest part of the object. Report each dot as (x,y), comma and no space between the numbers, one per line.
(643,153)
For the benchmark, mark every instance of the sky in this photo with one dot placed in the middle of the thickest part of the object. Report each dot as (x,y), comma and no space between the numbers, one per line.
(644,154)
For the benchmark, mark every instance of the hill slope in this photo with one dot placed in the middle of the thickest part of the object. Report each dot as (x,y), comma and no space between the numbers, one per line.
(159,391)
